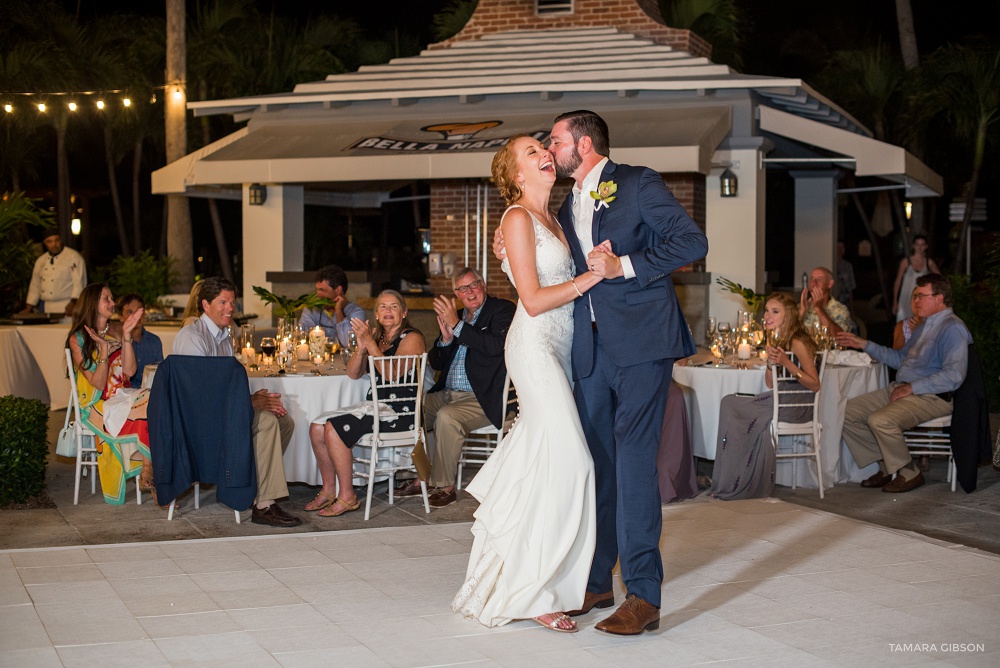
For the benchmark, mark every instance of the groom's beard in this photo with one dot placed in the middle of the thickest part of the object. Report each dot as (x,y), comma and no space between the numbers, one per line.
(565,169)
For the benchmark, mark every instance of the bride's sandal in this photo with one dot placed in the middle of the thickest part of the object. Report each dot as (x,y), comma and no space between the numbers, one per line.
(555,619)
(345,507)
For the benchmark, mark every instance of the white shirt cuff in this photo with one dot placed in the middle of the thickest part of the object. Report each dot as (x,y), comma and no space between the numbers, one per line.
(627,266)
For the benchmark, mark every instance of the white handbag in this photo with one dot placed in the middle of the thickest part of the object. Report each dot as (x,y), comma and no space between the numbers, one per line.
(66,443)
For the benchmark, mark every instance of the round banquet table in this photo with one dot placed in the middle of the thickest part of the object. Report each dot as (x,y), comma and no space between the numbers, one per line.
(306,395)
(704,387)
(46,344)
(20,374)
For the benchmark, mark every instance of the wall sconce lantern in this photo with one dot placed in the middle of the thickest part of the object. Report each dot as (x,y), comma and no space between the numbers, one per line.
(258,194)
(728,184)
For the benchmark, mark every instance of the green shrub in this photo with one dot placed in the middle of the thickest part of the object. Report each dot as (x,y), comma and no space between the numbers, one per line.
(976,303)
(23,448)
(143,274)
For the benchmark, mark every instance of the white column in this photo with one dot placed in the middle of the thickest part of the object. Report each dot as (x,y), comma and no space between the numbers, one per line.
(272,241)
(815,221)
(735,231)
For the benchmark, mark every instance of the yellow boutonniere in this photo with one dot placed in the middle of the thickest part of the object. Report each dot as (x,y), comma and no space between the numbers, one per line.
(605,194)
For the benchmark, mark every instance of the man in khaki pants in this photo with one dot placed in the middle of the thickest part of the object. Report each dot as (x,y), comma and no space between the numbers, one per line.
(932,365)
(208,336)
(467,395)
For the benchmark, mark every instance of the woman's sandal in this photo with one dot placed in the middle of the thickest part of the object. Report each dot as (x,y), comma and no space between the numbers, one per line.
(347,507)
(553,625)
(146,478)
(320,502)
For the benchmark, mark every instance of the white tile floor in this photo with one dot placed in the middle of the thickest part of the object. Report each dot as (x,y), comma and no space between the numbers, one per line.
(750,583)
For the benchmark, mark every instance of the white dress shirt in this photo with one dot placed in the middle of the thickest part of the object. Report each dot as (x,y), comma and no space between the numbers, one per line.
(203,338)
(584,207)
(56,279)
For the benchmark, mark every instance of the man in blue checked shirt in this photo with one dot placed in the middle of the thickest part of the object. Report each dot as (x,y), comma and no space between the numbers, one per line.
(931,366)
(331,283)
(467,395)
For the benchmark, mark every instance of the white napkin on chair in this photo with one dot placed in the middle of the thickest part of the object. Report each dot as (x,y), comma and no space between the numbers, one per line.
(848,358)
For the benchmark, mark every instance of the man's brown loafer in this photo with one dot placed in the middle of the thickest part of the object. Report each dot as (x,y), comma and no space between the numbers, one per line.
(408,488)
(878,480)
(591,601)
(631,618)
(899,484)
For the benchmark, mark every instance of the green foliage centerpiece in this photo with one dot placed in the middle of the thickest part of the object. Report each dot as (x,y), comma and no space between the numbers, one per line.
(754,300)
(286,307)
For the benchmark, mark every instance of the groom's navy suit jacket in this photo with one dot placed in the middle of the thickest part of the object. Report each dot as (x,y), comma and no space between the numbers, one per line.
(638,319)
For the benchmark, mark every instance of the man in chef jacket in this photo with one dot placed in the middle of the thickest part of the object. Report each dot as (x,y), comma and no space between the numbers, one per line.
(57,279)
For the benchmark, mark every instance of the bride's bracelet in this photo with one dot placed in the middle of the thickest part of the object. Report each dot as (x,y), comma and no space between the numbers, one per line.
(573,281)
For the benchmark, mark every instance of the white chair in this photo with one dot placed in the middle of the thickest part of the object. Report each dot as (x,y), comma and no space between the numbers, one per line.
(933,438)
(197,504)
(86,457)
(787,395)
(389,452)
(482,442)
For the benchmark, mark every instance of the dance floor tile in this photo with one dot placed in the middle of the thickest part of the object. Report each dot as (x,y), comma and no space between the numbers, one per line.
(755,583)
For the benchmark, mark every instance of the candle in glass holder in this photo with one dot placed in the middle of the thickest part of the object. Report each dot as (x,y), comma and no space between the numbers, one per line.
(317,341)
(317,359)
(743,351)
(763,354)
(249,355)
(302,351)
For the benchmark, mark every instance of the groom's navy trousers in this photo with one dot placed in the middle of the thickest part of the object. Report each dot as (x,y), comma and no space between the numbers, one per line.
(622,366)
(621,409)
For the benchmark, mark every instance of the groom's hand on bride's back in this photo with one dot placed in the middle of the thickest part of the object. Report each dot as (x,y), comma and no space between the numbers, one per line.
(498,248)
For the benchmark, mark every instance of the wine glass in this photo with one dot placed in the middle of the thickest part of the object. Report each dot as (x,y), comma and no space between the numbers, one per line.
(710,330)
(268,346)
(332,347)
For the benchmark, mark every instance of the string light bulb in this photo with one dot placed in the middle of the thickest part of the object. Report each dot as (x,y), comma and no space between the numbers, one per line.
(178,95)
(100,104)
(41,106)
(72,106)
(152,99)
(9,108)
(127,102)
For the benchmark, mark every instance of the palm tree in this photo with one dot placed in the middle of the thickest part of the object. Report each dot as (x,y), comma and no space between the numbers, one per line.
(907,34)
(227,35)
(718,21)
(180,246)
(450,20)
(961,83)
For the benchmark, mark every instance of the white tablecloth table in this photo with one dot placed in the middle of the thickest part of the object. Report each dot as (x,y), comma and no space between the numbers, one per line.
(305,396)
(47,342)
(704,388)
(20,374)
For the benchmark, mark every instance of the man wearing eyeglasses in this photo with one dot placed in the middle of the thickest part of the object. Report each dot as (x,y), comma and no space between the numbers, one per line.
(931,366)
(467,395)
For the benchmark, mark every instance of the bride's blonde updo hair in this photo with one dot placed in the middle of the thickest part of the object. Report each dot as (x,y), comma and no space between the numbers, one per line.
(505,171)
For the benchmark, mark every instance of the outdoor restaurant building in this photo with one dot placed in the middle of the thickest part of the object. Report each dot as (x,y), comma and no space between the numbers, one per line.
(439,117)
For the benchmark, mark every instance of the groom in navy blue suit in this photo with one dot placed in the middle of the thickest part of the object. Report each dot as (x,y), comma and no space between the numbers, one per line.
(625,225)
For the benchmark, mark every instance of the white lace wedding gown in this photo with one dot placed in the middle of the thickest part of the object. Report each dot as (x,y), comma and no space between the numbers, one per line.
(535,527)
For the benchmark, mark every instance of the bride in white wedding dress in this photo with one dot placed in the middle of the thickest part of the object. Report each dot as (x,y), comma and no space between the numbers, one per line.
(534,531)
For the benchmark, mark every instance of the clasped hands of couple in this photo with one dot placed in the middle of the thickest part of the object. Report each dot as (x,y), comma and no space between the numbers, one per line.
(601,261)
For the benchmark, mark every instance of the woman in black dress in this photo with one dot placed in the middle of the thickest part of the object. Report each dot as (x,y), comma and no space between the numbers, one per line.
(334,435)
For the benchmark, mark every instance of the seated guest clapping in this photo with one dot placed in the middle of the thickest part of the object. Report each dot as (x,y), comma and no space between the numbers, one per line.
(208,336)
(334,434)
(104,361)
(931,366)
(147,346)
(744,455)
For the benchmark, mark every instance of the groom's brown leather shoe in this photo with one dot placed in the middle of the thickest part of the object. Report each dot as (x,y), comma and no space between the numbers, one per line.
(591,601)
(631,618)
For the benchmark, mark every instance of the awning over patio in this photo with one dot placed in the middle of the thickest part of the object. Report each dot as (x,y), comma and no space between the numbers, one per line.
(320,149)
(871,156)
